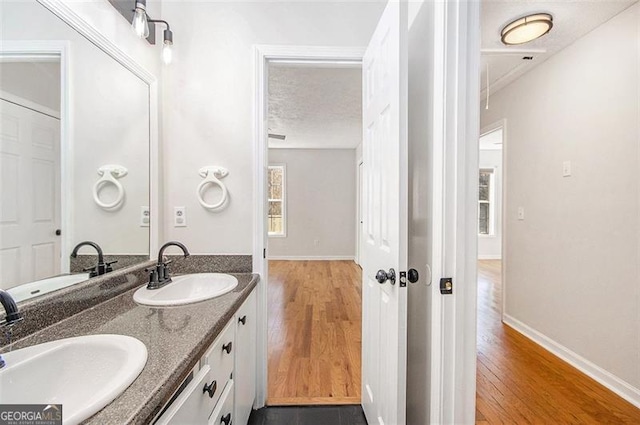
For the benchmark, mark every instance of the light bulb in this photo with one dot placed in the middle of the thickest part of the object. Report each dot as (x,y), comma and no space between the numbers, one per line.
(140,24)
(167,53)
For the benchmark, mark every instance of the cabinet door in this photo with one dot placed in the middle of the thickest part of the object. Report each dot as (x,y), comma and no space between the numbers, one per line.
(220,359)
(245,365)
(192,407)
(223,413)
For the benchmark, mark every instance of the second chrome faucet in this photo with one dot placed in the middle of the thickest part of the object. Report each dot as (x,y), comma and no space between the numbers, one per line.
(159,275)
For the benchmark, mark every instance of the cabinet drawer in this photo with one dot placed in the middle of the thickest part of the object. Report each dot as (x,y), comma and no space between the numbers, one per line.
(223,414)
(194,405)
(219,359)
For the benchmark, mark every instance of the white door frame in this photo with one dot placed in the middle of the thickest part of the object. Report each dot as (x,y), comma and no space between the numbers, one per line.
(37,50)
(263,54)
(456,88)
(501,125)
(359,164)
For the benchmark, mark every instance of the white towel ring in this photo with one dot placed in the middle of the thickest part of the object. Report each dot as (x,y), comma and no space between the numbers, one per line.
(110,175)
(211,175)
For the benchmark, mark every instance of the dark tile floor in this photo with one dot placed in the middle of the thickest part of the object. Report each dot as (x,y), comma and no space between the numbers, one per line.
(308,415)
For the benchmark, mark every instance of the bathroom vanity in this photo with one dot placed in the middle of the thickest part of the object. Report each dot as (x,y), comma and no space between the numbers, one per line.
(201,356)
(220,389)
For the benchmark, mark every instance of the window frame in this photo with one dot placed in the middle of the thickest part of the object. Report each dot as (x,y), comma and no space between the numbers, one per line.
(283,234)
(492,202)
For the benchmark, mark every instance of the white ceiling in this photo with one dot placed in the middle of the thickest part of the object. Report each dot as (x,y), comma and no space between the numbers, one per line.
(315,107)
(572,19)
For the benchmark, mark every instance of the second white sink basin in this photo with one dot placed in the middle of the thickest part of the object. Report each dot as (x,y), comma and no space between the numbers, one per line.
(84,374)
(187,289)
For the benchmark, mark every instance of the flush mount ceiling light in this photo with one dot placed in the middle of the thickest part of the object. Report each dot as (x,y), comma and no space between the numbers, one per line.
(140,25)
(526,29)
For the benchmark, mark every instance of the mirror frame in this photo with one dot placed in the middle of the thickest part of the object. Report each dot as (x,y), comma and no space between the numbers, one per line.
(61,49)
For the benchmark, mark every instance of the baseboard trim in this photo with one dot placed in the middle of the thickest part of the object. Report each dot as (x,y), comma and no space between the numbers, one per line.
(490,257)
(609,380)
(311,258)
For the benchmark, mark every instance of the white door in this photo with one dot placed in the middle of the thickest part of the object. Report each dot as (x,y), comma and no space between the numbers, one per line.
(30,190)
(384,325)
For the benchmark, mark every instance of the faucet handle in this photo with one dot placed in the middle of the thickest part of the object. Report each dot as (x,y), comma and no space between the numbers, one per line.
(93,271)
(108,264)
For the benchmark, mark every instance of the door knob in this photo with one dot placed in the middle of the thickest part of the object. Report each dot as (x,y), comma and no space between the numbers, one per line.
(383,276)
(413,276)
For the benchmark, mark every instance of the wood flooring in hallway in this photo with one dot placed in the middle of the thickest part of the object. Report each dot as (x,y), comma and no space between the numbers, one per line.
(314,310)
(519,382)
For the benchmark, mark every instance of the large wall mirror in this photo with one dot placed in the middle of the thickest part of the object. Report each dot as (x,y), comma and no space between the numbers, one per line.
(74,155)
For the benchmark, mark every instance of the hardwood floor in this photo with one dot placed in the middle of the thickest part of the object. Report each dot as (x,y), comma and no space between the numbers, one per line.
(314,310)
(519,382)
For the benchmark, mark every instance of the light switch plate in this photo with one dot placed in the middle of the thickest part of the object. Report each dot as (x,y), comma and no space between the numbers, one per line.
(566,169)
(145,216)
(520,213)
(180,216)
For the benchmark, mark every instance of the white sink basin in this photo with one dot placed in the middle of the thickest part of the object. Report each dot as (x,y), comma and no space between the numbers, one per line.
(44,286)
(187,289)
(84,374)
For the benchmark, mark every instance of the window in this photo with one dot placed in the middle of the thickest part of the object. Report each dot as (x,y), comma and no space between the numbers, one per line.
(485,202)
(276,214)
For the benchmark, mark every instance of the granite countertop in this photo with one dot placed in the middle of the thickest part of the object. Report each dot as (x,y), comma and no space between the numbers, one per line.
(176,338)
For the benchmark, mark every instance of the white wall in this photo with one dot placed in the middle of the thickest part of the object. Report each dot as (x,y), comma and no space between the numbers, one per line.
(208,100)
(572,264)
(109,117)
(490,246)
(320,204)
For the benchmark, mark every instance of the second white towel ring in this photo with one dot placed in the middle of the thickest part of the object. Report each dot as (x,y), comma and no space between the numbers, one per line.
(212,175)
(109,175)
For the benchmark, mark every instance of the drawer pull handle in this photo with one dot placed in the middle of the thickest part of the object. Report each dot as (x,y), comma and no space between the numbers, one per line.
(227,347)
(243,319)
(211,388)
(226,420)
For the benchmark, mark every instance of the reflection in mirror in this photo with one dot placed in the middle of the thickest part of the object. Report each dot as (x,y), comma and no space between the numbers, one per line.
(74,155)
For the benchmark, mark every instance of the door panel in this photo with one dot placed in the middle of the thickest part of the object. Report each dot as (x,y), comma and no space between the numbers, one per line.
(384,146)
(30,188)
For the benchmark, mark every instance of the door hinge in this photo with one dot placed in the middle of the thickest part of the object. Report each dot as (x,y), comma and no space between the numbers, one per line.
(264,253)
(446,285)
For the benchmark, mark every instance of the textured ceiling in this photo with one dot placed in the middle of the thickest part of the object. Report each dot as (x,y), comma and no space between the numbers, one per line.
(315,107)
(572,19)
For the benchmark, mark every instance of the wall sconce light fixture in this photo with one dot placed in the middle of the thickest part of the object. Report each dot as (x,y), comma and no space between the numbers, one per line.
(140,25)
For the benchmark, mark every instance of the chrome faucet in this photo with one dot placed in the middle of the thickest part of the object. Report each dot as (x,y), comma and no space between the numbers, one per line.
(100,268)
(159,275)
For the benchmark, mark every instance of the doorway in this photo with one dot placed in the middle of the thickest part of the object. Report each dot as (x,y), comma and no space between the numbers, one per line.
(314,298)
(31,112)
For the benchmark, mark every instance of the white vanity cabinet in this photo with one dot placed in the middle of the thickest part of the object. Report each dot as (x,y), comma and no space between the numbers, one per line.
(199,398)
(220,390)
(245,374)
